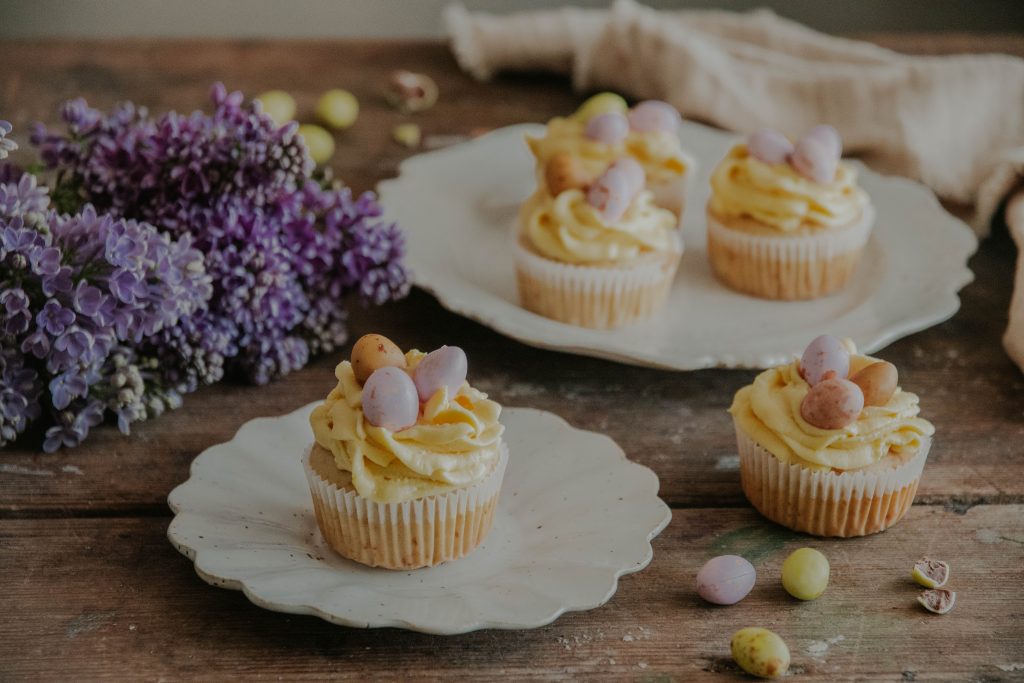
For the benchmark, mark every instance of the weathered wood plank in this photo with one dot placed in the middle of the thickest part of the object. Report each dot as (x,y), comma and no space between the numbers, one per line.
(99,598)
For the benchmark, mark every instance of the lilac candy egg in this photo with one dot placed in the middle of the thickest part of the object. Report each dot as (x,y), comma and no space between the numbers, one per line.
(443,367)
(610,195)
(725,580)
(832,404)
(389,399)
(814,160)
(824,355)
(633,171)
(828,135)
(654,116)
(611,128)
(769,146)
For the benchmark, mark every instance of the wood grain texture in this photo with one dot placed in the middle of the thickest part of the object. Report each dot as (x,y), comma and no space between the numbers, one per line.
(97,592)
(106,597)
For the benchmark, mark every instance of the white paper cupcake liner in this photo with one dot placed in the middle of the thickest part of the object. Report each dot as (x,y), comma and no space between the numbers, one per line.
(826,503)
(787,267)
(417,533)
(600,297)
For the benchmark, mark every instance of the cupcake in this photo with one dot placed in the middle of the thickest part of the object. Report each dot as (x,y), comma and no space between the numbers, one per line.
(829,444)
(408,458)
(605,129)
(787,221)
(599,254)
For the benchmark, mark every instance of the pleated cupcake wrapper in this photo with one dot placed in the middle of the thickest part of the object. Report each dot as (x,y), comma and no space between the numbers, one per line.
(823,502)
(787,267)
(417,533)
(600,297)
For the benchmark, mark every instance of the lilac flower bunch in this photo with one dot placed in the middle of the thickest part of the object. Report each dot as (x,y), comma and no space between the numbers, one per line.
(169,252)
(78,293)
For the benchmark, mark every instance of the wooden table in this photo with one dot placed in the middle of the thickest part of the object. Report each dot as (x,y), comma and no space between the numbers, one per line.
(90,588)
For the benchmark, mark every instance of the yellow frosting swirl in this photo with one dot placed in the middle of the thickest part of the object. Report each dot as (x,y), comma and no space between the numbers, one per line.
(455,443)
(660,153)
(779,197)
(567,228)
(769,412)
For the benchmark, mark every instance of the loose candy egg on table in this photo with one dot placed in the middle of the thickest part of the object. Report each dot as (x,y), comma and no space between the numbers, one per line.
(564,172)
(601,103)
(444,367)
(814,160)
(878,381)
(760,652)
(610,128)
(654,116)
(610,195)
(372,352)
(832,404)
(278,105)
(337,108)
(825,354)
(937,600)
(633,171)
(318,141)
(390,400)
(805,574)
(930,573)
(769,146)
(828,135)
(726,579)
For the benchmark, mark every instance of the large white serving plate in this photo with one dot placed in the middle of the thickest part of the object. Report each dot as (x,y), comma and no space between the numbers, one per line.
(574,515)
(458,206)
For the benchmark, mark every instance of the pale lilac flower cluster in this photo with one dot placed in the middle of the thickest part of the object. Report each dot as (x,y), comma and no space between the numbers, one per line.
(77,294)
(177,250)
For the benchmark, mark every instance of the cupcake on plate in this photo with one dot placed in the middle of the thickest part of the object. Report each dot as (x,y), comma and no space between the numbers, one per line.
(787,221)
(596,254)
(604,129)
(408,458)
(829,444)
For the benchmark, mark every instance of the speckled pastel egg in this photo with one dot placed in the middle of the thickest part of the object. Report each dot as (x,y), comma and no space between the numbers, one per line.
(829,136)
(769,146)
(373,352)
(610,128)
(654,116)
(760,652)
(726,579)
(390,400)
(832,404)
(814,160)
(633,171)
(610,195)
(444,367)
(824,355)
(564,172)
(878,381)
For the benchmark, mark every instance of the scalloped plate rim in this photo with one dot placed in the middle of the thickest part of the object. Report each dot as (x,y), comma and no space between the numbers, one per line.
(223,580)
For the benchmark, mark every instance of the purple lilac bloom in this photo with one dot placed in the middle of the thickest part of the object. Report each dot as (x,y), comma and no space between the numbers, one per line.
(6,145)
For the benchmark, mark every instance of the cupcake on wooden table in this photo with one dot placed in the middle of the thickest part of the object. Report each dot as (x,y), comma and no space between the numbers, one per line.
(830,444)
(596,253)
(787,221)
(604,129)
(408,458)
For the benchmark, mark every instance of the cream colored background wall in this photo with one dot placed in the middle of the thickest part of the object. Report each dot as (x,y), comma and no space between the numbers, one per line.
(404,18)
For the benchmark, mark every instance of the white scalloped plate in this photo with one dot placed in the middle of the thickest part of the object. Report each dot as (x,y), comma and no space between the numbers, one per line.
(574,515)
(457,206)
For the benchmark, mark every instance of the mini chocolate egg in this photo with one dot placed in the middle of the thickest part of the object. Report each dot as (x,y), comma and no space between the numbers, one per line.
(601,103)
(389,399)
(564,172)
(372,352)
(832,404)
(825,354)
(814,160)
(829,135)
(769,146)
(654,116)
(726,579)
(610,195)
(443,367)
(610,128)
(878,381)
(633,171)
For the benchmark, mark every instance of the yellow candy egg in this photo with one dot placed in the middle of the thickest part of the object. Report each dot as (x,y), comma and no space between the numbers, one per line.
(278,105)
(337,109)
(760,652)
(319,142)
(601,103)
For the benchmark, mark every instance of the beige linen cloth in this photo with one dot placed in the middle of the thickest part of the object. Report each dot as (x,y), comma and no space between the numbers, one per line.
(956,123)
